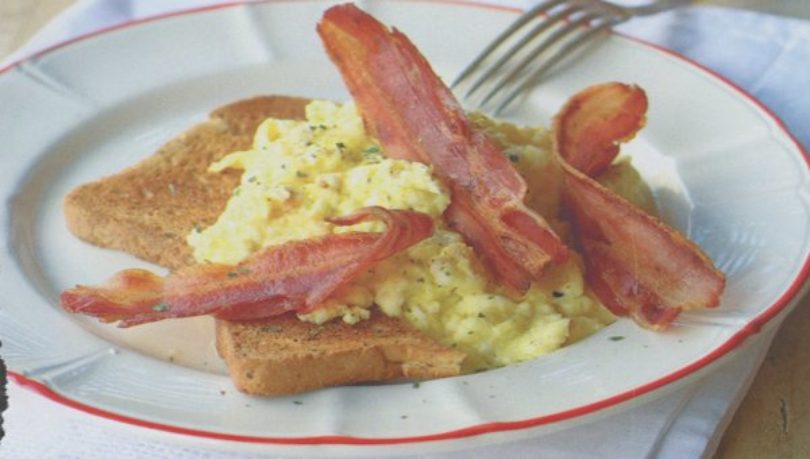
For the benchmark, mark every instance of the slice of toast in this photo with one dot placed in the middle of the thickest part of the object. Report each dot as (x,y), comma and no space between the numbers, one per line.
(148,209)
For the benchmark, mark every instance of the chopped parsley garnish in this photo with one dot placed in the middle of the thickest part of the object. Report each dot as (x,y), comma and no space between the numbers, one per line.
(416,385)
(514,157)
(313,332)
(372,151)
(160,307)
(300,174)
(233,274)
(340,145)
(616,338)
(557,294)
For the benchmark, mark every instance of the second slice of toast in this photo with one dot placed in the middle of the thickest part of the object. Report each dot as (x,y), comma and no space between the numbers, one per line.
(148,209)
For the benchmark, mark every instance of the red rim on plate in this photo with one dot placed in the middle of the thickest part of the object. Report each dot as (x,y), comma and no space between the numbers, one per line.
(751,328)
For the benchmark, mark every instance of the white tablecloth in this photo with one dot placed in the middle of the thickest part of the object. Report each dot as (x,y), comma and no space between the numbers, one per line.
(769,56)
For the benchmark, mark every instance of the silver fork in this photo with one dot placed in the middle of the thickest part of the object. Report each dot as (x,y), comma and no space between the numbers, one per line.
(511,63)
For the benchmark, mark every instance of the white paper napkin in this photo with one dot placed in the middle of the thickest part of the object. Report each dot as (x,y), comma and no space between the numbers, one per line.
(766,55)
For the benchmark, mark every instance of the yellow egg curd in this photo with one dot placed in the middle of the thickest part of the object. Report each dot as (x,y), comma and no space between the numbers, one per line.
(300,173)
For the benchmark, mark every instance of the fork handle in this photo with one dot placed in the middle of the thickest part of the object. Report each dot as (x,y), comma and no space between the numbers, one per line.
(657,7)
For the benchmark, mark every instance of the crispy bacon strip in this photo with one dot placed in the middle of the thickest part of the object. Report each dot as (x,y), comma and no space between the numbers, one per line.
(296,276)
(596,120)
(636,264)
(416,117)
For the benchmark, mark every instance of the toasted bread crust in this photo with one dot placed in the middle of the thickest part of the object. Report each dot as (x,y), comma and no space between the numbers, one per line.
(271,357)
(148,209)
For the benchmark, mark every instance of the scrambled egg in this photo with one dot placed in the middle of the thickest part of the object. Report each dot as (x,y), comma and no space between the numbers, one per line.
(299,173)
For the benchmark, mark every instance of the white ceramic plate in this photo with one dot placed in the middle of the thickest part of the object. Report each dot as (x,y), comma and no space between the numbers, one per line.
(723,169)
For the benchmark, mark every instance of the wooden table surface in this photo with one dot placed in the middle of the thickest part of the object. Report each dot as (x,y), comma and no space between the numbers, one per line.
(773,420)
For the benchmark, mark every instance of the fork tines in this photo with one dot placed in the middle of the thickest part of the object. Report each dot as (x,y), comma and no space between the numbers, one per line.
(541,39)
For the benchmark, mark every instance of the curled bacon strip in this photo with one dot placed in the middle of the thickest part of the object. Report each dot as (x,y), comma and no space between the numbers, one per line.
(596,120)
(296,276)
(636,264)
(416,117)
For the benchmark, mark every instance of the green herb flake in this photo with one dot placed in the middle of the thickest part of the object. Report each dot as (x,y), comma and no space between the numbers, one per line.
(298,402)
(300,174)
(557,294)
(616,338)
(314,332)
(416,385)
(340,145)
(233,274)
(372,150)
(160,307)
(514,157)
(243,271)
(481,315)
